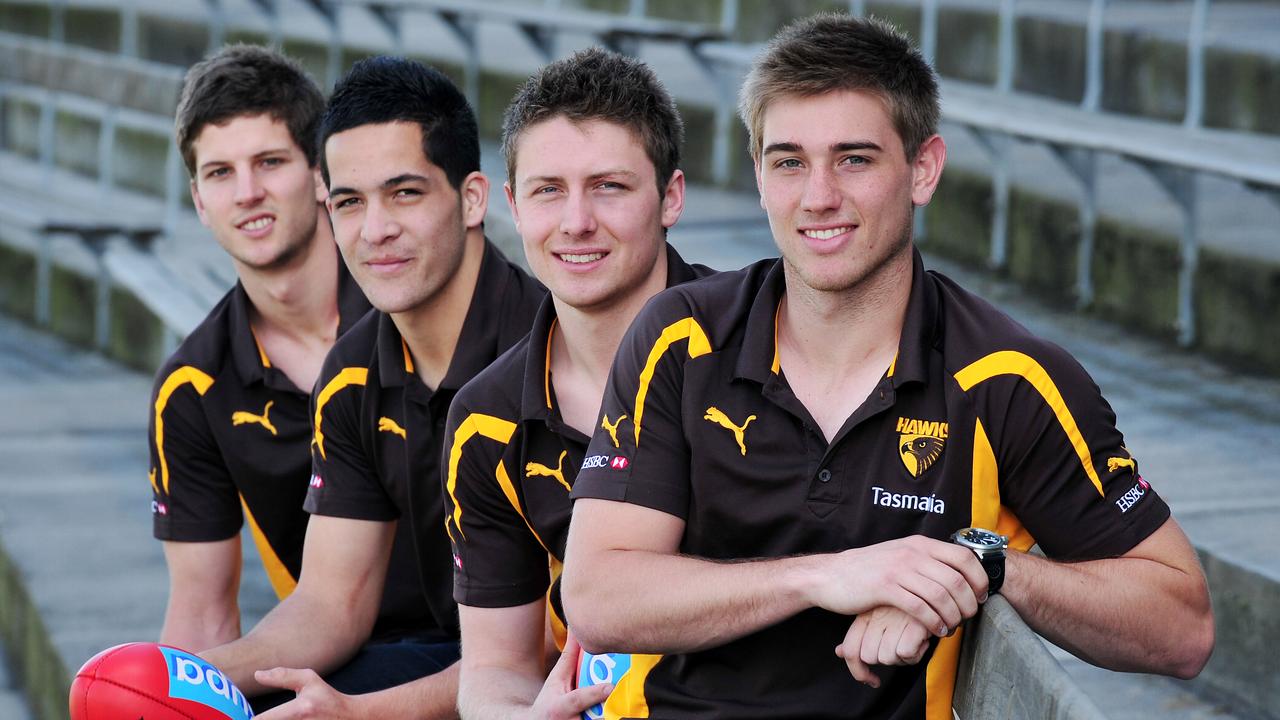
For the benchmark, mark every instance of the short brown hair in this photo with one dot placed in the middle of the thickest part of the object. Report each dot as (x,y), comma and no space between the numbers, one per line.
(597,84)
(248,80)
(833,51)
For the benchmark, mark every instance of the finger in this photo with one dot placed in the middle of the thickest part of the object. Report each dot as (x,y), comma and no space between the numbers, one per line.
(282,677)
(869,649)
(890,639)
(967,564)
(958,584)
(573,704)
(929,603)
(568,660)
(849,650)
(913,643)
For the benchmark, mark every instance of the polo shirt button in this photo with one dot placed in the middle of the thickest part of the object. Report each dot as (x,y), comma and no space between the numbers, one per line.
(824,475)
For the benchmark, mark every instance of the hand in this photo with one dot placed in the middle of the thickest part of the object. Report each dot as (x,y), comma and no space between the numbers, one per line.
(558,700)
(936,583)
(883,636)
(315,698)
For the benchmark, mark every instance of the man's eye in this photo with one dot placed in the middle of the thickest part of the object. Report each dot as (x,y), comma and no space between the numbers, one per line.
(346,203)
(789,163)
(218,172)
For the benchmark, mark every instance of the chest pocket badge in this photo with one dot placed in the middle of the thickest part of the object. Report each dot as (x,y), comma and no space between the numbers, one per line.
(920,443)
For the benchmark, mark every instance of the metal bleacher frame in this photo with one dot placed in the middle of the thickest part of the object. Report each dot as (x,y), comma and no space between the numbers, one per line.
(1174,155)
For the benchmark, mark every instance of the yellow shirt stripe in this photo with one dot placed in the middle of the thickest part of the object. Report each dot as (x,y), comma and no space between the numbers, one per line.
(348,376)
(688,328)
(201,381)
(282,581)
(1010,362)
(475,424)
(627,699)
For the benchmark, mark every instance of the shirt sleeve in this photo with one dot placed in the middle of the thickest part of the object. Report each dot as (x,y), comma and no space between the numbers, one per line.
(194,498)
(344,475)
(1065,471)
(639,453)
(498,561)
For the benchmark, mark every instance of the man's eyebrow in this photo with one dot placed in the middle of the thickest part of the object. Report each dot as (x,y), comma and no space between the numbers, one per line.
(781,147)
(403,178)
(856,145)
(385,185)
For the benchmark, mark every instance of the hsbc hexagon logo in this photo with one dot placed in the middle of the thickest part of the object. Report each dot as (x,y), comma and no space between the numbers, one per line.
(619,463)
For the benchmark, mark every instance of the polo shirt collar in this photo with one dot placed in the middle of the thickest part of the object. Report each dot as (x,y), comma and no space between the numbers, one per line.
(250,359)
(921,327)
(920,332)
(758,360)
(477,343)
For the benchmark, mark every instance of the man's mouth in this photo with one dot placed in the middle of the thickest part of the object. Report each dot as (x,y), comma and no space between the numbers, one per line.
(827,233)
(259,223)
(580,258)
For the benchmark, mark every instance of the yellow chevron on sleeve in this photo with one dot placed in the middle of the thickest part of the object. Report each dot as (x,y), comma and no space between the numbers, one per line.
(689,329)
(475,424)
(1011,362)
(282,581)
(348,376)
(201,381)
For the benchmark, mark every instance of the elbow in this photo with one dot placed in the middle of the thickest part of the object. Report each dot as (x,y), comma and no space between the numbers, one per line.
(1198,635)
(1196,648)
(582,610)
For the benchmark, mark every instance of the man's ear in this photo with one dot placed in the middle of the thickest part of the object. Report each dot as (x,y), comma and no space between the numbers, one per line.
(475,198)
(926,170)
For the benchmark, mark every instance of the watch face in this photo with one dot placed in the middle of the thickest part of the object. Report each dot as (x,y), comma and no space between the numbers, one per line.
(980,539)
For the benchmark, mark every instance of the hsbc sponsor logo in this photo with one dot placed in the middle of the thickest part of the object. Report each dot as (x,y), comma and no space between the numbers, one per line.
(317,481)
(1135,493)
(159,508)
(595,461)
(616,462)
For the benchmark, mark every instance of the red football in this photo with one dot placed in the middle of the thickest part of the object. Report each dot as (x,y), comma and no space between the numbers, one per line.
(156,682)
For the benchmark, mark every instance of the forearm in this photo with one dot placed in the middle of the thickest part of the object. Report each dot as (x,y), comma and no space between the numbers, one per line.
(288,637)
(496,693)
(659,603)
(434,697)
(196,629)
(1130,614)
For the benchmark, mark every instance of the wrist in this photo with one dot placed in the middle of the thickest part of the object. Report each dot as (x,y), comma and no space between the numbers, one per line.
(807,581)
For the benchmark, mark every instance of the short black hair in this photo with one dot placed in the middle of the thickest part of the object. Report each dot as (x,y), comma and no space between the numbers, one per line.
(247,80)
(598,84)
(386,89)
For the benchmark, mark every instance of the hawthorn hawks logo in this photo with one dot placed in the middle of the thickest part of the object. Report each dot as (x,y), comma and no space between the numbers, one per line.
(920,443)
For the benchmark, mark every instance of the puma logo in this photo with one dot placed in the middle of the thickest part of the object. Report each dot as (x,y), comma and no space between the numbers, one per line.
(244,417)
(612,429)
(534,469)
(386,424)
(719,418)
(1116,463)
